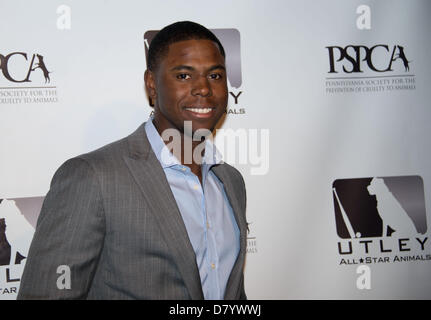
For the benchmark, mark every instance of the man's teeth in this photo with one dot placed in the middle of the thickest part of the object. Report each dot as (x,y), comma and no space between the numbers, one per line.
(200,110)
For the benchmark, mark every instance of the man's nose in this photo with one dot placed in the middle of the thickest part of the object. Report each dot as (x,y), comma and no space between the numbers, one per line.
(201,86)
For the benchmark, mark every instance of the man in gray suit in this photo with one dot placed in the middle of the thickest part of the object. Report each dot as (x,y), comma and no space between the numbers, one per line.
(133,220)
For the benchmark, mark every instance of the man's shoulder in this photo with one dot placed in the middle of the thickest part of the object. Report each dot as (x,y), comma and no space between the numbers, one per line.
(108,156)
(108,152)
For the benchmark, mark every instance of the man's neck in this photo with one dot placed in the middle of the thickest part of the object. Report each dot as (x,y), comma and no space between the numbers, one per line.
(188,152)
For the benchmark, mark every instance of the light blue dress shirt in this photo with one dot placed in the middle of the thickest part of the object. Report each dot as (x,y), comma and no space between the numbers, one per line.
(206,212)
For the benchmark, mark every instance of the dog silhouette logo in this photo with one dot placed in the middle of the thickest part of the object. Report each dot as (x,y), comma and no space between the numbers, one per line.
(390,211)
(41,65)
(379,207)
(401,55)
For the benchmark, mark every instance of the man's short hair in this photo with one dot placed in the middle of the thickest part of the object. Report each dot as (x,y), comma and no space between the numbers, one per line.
(178,31)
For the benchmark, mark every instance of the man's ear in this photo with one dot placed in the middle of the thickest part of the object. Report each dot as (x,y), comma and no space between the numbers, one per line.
(150,86)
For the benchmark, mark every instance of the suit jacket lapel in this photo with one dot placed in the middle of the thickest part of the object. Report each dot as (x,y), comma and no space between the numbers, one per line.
(236,275)
(149,175)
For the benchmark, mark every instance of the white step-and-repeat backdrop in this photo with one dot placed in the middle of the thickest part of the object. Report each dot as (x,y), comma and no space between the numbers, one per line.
(329,112)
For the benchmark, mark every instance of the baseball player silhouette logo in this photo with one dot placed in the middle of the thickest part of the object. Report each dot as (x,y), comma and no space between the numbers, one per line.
(379,207)
(15,234)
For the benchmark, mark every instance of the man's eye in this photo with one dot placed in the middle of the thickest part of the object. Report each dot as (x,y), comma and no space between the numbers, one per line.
(183,76)
(215,76)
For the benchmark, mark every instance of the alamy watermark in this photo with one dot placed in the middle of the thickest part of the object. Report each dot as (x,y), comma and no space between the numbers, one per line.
(64,280)
(238,147)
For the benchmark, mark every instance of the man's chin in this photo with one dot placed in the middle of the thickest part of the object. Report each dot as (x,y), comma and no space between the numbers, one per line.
(190,127)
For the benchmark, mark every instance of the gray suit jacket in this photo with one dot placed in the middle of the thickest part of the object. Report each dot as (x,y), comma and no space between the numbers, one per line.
(111,217)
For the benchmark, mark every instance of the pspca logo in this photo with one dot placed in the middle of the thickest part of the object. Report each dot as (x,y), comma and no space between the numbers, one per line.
(358,58)
(26,80)
(231,41)
(380,215)
(17,62)
(364,69)
(18,218)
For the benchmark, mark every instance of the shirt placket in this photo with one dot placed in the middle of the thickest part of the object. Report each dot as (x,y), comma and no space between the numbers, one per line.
(210,257)
(213,261)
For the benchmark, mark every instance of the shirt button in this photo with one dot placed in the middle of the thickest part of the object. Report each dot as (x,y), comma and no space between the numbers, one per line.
(208,225)
(183,168)
(212,266)
(196,187)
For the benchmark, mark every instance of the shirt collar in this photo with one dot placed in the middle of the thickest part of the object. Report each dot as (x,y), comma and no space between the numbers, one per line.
(211,157)
(159,146)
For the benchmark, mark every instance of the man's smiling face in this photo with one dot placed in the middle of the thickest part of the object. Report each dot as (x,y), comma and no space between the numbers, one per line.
(189,84)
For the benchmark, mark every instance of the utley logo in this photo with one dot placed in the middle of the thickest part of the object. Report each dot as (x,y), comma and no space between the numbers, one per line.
(231,41)
(381,215)
(18,218)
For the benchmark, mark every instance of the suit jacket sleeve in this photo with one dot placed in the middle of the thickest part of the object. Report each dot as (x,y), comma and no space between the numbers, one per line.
(242,197)
(70,232)
(243,295)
